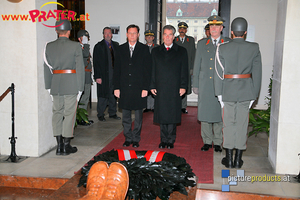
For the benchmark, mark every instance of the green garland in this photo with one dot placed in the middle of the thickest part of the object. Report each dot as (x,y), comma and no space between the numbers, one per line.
(147,180)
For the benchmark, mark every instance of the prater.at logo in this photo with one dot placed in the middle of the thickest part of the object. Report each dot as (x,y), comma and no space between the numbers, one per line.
(40,15)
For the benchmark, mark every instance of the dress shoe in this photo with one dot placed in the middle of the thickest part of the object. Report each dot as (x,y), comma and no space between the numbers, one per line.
(115,117)
(126,144)
(227,161)
(135,144)
(152,110)
(117,182)
(184,111)
(170,145)
(217,148)
(146,110)
(101,118)
(238,162)
(96,181)
(206,147)
(162,145)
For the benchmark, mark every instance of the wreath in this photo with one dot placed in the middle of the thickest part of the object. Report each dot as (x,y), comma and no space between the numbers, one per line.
(147,179)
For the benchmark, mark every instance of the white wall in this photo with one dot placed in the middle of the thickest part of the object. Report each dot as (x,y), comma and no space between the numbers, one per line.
(21,63)
(114,12)
(260,14)
(284,132)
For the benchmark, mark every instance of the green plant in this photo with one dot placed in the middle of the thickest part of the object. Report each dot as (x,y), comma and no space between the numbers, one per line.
(81,115)
(260,119)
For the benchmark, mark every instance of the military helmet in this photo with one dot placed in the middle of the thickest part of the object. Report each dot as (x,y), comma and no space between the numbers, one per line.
(63,25)
(81,33)
(239,24)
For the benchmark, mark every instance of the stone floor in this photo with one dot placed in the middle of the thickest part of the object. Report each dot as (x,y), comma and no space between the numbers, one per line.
(91,139)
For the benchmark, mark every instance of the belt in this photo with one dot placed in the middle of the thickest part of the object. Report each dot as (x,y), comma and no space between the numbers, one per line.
(237,76)
(88,70)
(65,71)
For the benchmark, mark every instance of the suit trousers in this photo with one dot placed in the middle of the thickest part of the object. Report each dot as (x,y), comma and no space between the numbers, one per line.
(85,96)
(184,101)
(135,134)
(235,127)
(168,133)
(111,102)
(150,101)
(212,133)
(64,115)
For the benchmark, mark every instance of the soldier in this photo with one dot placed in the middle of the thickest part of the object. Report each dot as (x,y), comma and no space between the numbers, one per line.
(209,109)
(237,83)
(149,37)
(64,79)
(187,42)
(84,37)
(207,32)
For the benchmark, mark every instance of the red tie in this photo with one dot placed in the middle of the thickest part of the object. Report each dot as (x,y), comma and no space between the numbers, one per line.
(168,48)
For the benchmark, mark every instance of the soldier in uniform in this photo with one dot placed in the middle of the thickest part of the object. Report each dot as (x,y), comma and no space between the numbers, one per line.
(83,37)
(187,42)
(149,37)
(207,31)
(64,79)
(237,84)
(209,109)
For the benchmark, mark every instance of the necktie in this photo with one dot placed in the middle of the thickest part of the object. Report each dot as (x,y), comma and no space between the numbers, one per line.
(215,44)
(168,48)
(111,54)
(131,51)
(182,40)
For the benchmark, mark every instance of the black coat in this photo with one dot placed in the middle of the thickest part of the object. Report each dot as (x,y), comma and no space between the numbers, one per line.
(132,75)
(101,65)
(169,73)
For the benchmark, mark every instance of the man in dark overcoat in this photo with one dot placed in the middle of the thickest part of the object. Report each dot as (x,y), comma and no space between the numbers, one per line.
(168,83)
(132,75)
(103,61)
(187,42)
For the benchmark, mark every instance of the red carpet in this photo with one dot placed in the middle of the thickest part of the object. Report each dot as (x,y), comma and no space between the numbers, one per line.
(187,145)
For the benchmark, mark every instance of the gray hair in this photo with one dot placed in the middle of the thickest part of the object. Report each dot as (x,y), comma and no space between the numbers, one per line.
(169,27)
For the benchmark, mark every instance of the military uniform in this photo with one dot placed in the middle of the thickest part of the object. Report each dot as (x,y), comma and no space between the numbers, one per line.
(88,72)
(64,78)
(150,98)
(209,109)
(238,57)
(189,44)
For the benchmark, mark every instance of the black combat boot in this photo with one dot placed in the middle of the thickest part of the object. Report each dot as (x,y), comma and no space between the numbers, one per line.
(60,145)
(67,147)
(227,161)
(238,162)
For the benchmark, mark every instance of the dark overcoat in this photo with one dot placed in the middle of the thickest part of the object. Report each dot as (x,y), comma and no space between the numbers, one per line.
(169,73)
(101,64)
(132,75)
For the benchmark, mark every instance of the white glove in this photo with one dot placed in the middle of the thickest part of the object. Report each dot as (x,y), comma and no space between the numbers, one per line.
(85,40)
(195,90)
(251,102)
(79,95)
(220,100)
(49,90)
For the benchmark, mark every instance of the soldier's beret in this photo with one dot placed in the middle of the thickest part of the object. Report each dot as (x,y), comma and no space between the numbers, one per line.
(215,20)
(182,25)
(149,33)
